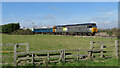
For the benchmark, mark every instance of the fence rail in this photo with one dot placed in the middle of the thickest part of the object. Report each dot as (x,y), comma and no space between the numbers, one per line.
(12,44)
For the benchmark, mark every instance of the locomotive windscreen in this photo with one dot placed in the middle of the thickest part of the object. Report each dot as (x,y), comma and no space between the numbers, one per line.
(90,25)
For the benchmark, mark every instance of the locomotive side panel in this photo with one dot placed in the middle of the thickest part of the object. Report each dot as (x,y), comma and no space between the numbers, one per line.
(80,28)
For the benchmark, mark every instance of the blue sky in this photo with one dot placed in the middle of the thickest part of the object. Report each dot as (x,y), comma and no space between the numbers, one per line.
(60,0)
(105,14)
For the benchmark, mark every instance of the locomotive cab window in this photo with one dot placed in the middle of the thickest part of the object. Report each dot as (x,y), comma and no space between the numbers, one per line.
(89,26)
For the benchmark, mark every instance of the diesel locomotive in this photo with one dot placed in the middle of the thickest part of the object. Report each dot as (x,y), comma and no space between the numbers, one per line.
(72,29)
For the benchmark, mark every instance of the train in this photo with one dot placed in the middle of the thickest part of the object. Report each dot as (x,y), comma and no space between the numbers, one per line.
(88,29)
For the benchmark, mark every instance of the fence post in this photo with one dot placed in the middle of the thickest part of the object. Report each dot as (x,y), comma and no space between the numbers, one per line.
(15,54)
(27,50)
(78,55)
(27,47)
(116,45)
(90,52)
(60,55)
(63,55)
(101,49)
(32,58)
(48,56)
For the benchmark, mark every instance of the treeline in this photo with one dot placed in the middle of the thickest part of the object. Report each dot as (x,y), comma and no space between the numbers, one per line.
(14,29)
(9,28)
(111,32)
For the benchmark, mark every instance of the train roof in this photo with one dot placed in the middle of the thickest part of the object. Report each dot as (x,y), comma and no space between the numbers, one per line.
(76,24)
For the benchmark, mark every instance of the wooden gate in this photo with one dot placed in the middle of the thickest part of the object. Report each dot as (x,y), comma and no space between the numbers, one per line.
(9,51)
(104,49)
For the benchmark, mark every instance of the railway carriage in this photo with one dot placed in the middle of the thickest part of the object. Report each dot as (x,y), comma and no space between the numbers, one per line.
(43,30)
(73,29)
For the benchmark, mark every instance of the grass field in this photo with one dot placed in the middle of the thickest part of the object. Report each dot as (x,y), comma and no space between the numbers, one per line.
(51,42)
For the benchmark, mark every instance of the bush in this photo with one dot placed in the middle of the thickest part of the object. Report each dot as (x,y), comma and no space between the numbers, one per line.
(9,28)
(110,33)
(115,31)
(103,30)
(22,32)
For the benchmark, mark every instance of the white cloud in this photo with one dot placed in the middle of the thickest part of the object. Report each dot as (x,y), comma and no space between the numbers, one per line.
(106,22)
(109,13)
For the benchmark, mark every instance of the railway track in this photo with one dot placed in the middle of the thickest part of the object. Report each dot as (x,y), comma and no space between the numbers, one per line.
(95,36)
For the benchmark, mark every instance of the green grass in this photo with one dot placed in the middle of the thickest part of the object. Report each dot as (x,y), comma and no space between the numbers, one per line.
(102,62)
(51,42)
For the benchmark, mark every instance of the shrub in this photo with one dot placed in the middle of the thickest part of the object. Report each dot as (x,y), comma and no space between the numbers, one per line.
(115,31)
(110,33)
(22,32)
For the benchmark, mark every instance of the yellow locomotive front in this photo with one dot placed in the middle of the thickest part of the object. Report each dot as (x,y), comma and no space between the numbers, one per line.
(94,29)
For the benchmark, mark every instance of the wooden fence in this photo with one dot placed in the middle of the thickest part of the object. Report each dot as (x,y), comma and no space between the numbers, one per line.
(64,55)
(59,54)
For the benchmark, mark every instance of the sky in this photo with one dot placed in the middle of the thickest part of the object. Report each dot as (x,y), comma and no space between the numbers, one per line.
(44,14)
(60,0)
